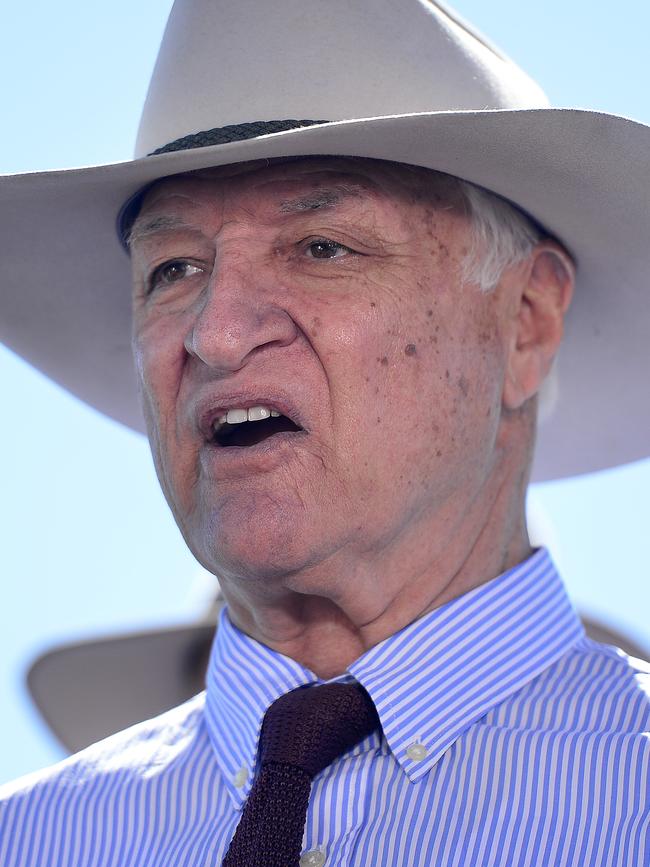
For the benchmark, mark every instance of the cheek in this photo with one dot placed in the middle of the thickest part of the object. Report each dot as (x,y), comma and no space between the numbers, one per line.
(159,356)
(436,377)
(160,360)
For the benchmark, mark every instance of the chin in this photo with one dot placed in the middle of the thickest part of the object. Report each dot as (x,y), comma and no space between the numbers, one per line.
(253,537)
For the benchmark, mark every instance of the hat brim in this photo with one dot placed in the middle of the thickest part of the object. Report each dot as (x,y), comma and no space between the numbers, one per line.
(65,301)
(88,690)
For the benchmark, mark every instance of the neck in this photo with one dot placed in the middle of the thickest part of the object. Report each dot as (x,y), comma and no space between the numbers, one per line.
(328,615)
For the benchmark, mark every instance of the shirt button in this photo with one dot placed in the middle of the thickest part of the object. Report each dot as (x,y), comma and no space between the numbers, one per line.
(417,752)
(312,858)
(240,777)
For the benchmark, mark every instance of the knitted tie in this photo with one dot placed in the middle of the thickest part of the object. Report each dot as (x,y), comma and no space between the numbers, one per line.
(302,733)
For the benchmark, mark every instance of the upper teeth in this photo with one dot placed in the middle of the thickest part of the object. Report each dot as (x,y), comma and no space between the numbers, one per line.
(255,413)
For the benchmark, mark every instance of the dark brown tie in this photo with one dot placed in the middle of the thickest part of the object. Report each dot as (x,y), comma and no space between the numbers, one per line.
(302,733)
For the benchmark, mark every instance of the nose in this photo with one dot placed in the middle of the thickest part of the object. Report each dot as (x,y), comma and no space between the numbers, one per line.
(236,317)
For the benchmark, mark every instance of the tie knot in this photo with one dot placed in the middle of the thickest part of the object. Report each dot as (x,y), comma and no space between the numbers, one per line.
(309,727)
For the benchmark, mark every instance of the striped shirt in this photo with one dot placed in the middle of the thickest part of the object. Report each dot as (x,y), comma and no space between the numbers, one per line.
(507,738)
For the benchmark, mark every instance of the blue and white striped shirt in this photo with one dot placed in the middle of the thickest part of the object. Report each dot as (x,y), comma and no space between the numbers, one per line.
(508,738)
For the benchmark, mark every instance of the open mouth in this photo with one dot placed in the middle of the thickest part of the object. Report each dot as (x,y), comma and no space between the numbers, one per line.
(250,433)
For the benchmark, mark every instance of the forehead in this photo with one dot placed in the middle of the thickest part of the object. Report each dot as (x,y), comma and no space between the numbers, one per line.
(300,185)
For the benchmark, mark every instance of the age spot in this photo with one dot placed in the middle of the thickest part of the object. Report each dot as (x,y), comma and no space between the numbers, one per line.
(463,385)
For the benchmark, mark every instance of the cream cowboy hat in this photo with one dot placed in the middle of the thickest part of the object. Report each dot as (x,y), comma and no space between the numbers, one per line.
(238,80)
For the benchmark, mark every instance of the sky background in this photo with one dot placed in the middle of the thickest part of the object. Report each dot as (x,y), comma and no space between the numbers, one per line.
(88,545)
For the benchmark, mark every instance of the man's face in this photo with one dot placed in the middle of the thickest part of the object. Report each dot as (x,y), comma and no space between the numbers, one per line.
(331,291)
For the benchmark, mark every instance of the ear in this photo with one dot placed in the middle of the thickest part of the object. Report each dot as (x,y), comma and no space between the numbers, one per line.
(542,289)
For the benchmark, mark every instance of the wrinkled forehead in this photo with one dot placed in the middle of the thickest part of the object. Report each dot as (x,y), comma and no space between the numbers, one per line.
(301,184)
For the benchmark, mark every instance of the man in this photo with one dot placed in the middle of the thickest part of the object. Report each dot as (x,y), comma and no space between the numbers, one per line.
(339,346)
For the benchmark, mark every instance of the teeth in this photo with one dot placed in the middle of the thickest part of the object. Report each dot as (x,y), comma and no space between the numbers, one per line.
(255,413)
(236,416)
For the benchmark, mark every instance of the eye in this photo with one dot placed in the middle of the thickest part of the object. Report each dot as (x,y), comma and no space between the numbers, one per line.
(324,249)
(171,272)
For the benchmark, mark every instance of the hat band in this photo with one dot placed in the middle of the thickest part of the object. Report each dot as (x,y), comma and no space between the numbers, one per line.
(204,139)
(233,132)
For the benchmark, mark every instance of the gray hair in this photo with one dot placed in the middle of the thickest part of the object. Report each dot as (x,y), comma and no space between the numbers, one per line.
(501,235)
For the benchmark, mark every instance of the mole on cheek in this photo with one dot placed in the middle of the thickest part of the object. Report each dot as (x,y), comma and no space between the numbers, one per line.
(410,349)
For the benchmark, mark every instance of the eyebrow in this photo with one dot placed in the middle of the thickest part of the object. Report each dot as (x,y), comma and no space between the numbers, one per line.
(142,227)
(328,198)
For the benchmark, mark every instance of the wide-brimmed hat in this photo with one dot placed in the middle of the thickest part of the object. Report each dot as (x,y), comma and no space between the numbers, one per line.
(238,80)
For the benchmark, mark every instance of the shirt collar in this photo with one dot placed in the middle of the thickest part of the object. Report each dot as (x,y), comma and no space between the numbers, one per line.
(432,680)
(429,682)
(244,678)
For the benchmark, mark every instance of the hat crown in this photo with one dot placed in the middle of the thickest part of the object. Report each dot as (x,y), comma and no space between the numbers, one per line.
(223,63)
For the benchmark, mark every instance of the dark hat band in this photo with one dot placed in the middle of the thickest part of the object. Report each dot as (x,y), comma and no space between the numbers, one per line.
(233,132)
(205,138)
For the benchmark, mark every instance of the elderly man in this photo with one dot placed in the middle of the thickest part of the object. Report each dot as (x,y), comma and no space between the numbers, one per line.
(340,339)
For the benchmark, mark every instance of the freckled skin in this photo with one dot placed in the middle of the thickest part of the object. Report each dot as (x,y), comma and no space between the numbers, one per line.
(315,325)
(362,527)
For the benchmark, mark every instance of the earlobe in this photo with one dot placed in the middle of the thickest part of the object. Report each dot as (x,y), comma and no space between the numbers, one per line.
(544,294)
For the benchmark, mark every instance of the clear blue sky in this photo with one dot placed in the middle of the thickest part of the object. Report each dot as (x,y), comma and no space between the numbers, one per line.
(88,546)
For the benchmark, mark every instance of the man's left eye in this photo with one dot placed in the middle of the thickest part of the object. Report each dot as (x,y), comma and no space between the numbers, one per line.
(324,249)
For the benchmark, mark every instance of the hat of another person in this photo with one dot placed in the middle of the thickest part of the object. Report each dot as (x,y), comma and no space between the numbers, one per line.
(240,80)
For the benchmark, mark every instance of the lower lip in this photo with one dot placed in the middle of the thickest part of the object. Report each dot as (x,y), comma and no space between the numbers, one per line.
(224,461)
